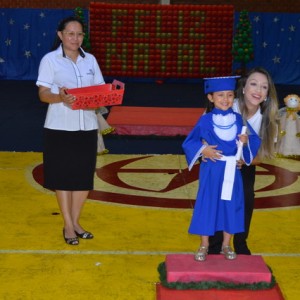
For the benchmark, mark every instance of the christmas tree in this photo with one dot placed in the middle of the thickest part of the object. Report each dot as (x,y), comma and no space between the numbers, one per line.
(242,48)
(86,40)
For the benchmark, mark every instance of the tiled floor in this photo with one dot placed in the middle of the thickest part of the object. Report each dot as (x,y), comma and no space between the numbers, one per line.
(139,212)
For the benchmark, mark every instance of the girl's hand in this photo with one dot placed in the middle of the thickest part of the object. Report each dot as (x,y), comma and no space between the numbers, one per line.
(243,138)
(210,152)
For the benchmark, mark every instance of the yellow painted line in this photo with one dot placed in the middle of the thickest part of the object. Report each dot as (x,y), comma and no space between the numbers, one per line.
(114,252)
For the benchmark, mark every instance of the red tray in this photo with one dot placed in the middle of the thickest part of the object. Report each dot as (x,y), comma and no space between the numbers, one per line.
(93,97)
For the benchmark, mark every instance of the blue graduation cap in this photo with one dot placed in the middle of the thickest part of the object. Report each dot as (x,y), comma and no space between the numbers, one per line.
(217,84)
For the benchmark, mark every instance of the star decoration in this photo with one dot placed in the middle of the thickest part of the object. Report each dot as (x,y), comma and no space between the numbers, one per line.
(292,28)
(42,15)
(276,60)
(275,20)
(2,60)
(256,19)
(27,54)
(11,22)
(264,45)
(26,26)
(8,42)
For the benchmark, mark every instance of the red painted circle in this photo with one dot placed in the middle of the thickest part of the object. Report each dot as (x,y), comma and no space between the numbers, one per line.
(283,178)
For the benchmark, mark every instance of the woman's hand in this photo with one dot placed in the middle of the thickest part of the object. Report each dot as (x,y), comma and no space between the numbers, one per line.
(66,98)
(47,96)
(210,152)
(240,163)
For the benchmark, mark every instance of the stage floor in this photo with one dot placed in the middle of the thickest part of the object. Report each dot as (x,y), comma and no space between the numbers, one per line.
(131,238)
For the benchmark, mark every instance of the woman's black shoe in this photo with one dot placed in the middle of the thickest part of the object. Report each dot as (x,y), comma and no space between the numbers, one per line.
(85,235)
(71,241)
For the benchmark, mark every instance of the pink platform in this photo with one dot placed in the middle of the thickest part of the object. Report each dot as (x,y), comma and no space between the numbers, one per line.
(161,121)
(244,269)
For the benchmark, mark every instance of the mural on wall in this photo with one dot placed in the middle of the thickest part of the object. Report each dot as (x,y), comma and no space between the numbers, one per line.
(180,43)
(177,41)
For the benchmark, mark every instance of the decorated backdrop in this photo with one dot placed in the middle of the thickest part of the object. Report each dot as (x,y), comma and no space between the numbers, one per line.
(159,42)
(177,41)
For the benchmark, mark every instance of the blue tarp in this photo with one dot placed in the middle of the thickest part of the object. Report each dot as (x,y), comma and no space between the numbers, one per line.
(27,34)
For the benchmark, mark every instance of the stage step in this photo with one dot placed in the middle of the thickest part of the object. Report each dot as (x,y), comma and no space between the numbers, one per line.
(244,269)
(248,269)
(163,293)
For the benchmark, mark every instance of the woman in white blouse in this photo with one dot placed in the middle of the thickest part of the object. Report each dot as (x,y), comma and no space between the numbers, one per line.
(70,147)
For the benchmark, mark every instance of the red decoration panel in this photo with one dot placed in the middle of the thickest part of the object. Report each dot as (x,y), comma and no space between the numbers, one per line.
(162,41)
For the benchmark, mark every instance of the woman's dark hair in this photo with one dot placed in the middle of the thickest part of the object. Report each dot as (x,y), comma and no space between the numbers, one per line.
(62,25)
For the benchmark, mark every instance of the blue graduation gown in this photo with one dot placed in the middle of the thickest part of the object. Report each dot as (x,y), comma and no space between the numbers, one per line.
(211,213)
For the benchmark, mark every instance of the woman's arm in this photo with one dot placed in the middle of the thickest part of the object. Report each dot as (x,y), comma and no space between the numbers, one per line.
(47,96)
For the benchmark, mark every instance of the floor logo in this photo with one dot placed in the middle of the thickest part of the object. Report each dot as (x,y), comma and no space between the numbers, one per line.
(270,195)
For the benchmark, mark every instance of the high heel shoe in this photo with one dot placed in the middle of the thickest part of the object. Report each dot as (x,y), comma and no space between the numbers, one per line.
(228,252)
(201,254)
(85,235)
(71,241)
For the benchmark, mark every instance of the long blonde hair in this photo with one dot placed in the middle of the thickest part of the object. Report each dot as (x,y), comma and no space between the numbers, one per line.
(269,110)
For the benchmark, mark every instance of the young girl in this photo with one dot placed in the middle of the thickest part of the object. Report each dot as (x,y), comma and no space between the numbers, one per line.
(220,199)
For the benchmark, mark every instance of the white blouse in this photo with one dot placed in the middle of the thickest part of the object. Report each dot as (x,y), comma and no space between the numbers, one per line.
(57,70)
(254,121)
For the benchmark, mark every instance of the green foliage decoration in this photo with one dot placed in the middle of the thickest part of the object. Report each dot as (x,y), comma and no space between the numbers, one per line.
(86,45)
(242,48)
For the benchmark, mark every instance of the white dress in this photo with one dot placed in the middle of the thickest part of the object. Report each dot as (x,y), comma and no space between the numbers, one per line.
(289,136)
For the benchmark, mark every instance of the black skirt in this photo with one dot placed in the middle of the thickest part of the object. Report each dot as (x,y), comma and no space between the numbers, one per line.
(69,159)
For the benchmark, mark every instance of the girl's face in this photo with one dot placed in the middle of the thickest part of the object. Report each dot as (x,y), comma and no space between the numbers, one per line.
(256,89)
(222,100)
(72,36)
